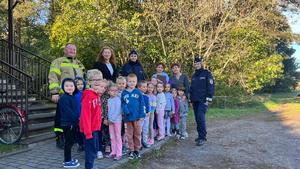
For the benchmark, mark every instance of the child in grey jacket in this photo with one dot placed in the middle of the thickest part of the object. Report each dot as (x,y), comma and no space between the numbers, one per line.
(183,112)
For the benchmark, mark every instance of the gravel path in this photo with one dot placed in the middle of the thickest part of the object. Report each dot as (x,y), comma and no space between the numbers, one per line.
(264,140)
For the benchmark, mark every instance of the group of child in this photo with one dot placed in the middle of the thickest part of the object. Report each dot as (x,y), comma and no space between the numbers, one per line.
(113,117)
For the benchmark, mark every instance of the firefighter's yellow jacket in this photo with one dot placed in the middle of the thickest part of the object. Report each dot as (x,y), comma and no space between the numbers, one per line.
(61,68)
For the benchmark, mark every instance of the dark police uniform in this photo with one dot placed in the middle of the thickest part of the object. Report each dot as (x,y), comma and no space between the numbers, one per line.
(201,92)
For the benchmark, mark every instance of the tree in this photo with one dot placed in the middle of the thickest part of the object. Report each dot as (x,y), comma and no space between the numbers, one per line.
(92,24)
(236,38)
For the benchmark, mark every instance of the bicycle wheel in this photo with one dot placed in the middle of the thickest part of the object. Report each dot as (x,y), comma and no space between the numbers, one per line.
(11,125)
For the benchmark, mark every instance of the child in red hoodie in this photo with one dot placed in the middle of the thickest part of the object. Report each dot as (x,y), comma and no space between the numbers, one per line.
(90,118)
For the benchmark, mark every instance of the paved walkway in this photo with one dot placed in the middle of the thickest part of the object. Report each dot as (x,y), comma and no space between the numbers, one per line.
(45,155)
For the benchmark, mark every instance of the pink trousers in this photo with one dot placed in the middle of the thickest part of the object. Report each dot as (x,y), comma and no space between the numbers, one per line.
(116,139)
(160,123)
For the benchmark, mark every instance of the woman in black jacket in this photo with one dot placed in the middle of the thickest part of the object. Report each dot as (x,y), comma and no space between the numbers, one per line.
(106,63)
(133,66)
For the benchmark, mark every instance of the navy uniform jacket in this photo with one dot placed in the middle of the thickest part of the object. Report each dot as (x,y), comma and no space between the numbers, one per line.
(202,86)
(133,67)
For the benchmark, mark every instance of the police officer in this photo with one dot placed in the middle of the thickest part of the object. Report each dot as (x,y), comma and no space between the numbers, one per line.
(67,66)
(201,92)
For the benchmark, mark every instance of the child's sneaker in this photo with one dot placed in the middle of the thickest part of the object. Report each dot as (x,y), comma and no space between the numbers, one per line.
(71,164)
(74,160)
(131,155)
(150,141)
(111,156)
(118,158)
(99,155)
(160,138)
(137,155)
(145,145)
(182,138)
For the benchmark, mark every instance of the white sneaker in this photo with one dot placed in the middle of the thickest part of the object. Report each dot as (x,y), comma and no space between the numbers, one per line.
(99,155)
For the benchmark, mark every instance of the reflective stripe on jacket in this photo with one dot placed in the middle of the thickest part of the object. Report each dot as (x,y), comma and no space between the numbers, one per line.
(61,68)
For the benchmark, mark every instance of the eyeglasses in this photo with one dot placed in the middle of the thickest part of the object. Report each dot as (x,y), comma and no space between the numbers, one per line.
(95,80)
(113,90)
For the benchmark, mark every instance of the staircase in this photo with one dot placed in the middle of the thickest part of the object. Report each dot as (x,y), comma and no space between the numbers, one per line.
(24,82)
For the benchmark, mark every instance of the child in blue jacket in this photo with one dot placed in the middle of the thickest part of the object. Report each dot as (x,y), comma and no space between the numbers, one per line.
(133,107)
(80,85)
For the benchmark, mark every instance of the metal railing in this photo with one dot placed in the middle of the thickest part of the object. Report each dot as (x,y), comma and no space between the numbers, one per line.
(14,88)
(29,63)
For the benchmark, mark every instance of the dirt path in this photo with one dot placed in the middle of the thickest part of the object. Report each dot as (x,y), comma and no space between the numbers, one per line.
(265,140)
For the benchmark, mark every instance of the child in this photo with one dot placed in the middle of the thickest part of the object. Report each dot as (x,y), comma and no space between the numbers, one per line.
(133,107)
(175,118)
(154,82)
(81,85)
(142,85)
(104,139)
(183,111)
(115,122)
(160,75)
(152,103)
(90,118)
(69,119)
(160,110)
(169,109)
(121,83)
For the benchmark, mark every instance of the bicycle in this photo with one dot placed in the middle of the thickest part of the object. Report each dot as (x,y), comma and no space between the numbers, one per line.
(12,124)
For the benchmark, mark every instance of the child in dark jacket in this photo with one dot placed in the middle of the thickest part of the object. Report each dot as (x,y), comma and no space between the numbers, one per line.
(133,107)
(69,119)
(81,85)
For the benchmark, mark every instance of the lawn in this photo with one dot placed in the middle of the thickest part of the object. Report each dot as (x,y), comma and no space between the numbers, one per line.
(10,148)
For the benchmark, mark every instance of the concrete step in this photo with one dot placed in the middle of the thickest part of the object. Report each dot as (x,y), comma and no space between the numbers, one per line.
(38,137)
(13,100)
(8,87)
(13,92)
(41,115)
(3,81)
(42,106)
(39,126)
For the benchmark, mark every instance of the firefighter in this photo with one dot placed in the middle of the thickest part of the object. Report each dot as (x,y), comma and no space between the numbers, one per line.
(67,66)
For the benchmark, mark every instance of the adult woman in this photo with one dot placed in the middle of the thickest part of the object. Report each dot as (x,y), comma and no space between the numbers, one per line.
(133,66)
(178,79)
(106,64)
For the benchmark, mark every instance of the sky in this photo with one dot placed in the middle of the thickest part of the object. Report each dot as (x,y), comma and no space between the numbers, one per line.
(294,22)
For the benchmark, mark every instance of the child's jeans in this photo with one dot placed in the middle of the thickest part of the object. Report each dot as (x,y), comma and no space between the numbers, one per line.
(91,147)
(175,127)
(151,131)
(115,138)
(134,131)
(182,126)
(69,135)
(167,122)
(160,122)
(145,129)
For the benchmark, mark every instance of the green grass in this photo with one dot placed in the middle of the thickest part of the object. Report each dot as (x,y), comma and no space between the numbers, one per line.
(153,155)
(9,148)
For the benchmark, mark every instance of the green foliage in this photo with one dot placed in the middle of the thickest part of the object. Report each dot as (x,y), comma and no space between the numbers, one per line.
(93,24)
(237,40)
